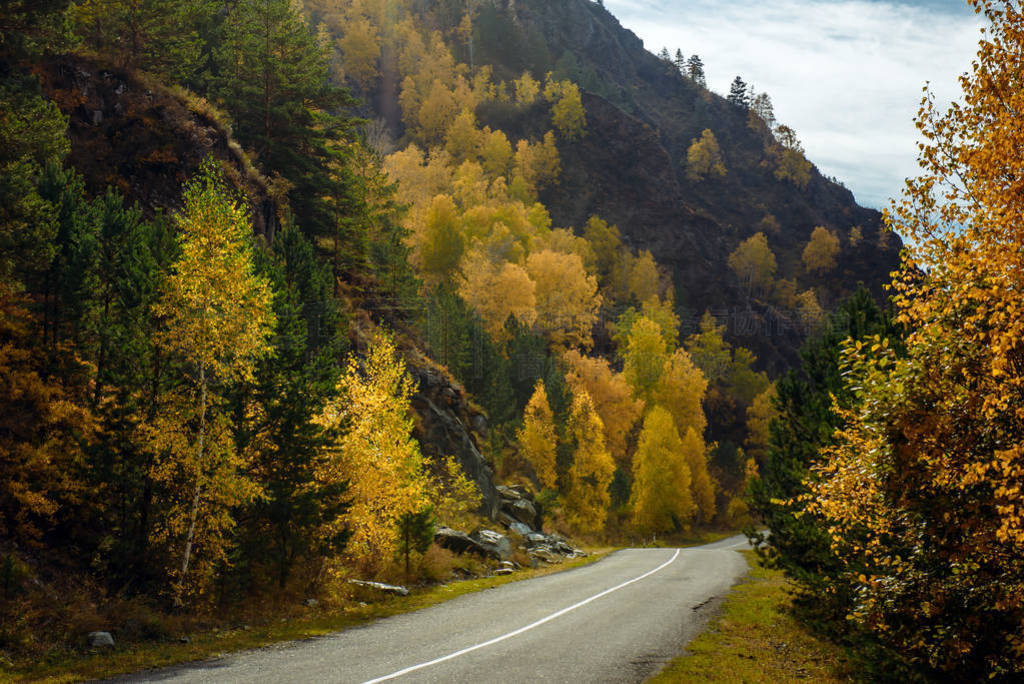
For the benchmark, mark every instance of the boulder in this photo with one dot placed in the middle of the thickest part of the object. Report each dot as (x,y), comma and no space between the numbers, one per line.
(498,546)
(506,519)
(536,539)
(504,571)
(458,542)
(380,586)
(545,554)
(520,528)
(508,493)
(522,510)
(311,603)
(100,640)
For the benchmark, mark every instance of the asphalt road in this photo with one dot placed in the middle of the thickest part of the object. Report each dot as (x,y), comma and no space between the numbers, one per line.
(618,620)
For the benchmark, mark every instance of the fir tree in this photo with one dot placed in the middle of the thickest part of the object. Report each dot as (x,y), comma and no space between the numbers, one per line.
(680,61)
(738,93)
(806,423)
(272,78)
(695,70)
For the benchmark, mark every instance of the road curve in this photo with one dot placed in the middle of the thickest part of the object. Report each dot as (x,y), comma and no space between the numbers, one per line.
(617,620)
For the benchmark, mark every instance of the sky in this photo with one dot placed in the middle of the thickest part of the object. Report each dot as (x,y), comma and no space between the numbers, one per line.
(847,75)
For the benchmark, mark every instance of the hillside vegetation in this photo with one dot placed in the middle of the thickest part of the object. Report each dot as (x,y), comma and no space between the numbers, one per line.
(287,286)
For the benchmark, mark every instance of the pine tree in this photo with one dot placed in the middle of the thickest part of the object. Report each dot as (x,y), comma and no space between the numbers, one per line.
(806,423)
(271,77)
(738,93)
(277,412)
(32,27)
(160,36)
(695,71)
(680,61)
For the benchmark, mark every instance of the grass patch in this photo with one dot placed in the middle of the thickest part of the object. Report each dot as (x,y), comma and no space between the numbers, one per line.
(142,656)
(757,638)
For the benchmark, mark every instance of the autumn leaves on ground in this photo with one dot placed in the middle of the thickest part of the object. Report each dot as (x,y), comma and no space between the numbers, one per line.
(200,419)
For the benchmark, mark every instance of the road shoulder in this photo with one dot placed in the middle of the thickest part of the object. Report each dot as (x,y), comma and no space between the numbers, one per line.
(756,638)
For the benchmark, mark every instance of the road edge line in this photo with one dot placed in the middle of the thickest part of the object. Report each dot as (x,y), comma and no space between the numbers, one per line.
(521,630)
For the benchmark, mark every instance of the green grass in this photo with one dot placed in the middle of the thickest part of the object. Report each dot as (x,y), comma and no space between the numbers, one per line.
(141,656)
(756,638)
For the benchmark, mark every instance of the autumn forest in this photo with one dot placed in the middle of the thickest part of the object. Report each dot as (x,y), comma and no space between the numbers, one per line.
(287,287)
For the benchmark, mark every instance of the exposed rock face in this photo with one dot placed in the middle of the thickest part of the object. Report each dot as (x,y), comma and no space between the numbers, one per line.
(144,139)
(498,545)
(444,429)
(518,505)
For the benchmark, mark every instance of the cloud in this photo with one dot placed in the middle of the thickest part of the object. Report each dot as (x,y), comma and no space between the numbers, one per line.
(846,74)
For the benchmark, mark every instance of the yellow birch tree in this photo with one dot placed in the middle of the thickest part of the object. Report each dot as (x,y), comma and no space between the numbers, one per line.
(586,499)
(374,451)
(537,438)
(661,499)
(217,318)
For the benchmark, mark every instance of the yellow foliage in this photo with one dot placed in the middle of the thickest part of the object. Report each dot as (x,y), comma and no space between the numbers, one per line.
(568,115)
(360,46)
(496,153)
(821,252)
(538,165)
(564,241)
(437,112)
(217,317)
(612,397)
(40,453)
(680,389)
(791,165)
(586,498)
(527,89)
(455,497)
(537,438)
(702,487)
(440,243)
(922,492)
(661,499)
(567,299)
(754,262)
(496,291)
(463,139)
(704,158)
(760,414)
(644,281)
(373,451)
(810,311)
(645,358)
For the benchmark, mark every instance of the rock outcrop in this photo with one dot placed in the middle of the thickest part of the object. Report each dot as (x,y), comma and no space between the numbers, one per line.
(448,426)
(145,139)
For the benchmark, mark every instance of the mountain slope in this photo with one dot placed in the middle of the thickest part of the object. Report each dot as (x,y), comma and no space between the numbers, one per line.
(642,116)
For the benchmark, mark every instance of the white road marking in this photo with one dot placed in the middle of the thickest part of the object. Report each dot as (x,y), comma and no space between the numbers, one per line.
(527,628)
